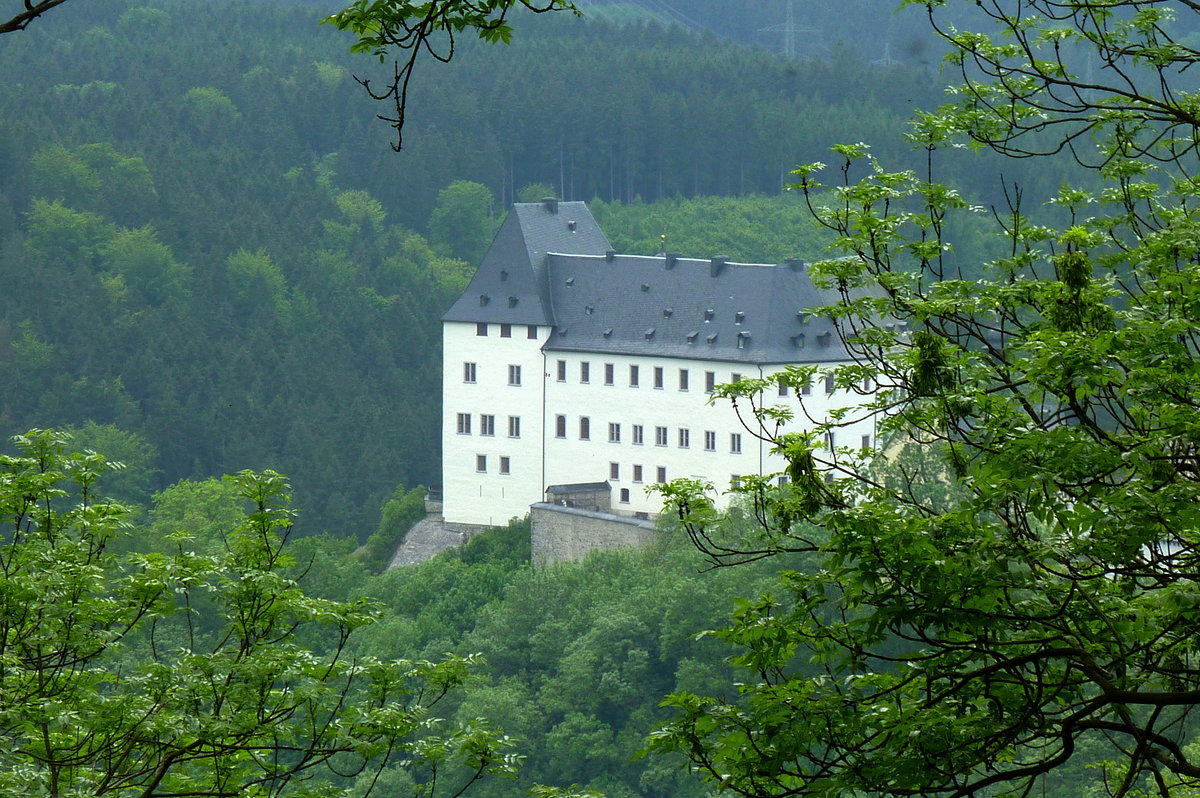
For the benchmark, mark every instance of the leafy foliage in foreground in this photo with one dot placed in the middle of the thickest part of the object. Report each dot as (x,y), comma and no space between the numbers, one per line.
(384,27)
(1009,584)
(177,671)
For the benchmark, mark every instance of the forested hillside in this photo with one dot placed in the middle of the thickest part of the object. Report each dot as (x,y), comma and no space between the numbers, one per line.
(210,257)
(578,655)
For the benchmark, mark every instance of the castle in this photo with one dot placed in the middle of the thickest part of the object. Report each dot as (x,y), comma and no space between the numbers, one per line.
(571,371)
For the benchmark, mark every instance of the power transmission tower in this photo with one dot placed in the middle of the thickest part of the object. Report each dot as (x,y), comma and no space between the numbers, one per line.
(789,31)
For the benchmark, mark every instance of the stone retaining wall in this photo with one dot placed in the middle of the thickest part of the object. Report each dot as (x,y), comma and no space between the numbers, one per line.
(561,534)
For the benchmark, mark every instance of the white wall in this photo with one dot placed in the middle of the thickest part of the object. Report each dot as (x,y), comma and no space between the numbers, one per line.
(490,497)
(571,459)
(539,457)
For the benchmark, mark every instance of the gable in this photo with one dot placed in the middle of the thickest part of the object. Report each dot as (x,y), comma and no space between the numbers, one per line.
(510,285)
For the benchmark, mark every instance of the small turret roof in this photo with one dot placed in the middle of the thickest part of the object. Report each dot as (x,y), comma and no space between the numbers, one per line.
(510,284)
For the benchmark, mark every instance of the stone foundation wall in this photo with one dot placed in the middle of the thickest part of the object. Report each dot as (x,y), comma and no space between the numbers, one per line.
(429,536)
(562,534)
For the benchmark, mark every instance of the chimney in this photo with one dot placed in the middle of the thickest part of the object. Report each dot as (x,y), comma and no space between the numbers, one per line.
(671,258)
(718,263)
(795,264)
(610,254)
(551,204)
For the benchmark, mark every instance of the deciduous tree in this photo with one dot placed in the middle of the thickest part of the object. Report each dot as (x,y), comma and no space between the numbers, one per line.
(1009,583)
(463,222)
(179,672)
(31,10)
(387,26)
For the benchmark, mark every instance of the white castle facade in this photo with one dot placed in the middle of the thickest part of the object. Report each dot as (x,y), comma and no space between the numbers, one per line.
(565,364)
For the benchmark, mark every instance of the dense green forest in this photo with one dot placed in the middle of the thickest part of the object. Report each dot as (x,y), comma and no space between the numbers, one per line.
(211,259)
(578,656)
(181,642)
(571,662)
(210,253)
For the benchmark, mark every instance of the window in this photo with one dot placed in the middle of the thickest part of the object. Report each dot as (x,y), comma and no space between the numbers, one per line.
(487,425)
(514,426)
(683,379)
(562,371)
(866,441)
(660,436)
(685,438)
(830,440)
(531,331)
(468,372)
(560,426)
(735,443)
(807,389)
(783,391)
(585,372)
(735,481)
(481,463)
(505,465)
(661,473)
(514,375)
(829,383)
(658,377)
(481,328)
(637,473)
(614,470)
(609,373)
(734,377)
(710,441)
(710,381)
(866,384)
(585,428)
(614,433)
(782,480)
(638,439)
(464,423)
(633,376)
(624,495)
(506,331)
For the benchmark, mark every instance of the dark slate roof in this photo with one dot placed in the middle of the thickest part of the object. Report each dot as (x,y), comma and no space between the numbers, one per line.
(579,487)
(550,264)
(687,308)
(510,285)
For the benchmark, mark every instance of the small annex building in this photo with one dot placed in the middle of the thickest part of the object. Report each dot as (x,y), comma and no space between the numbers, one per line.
(565,363)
